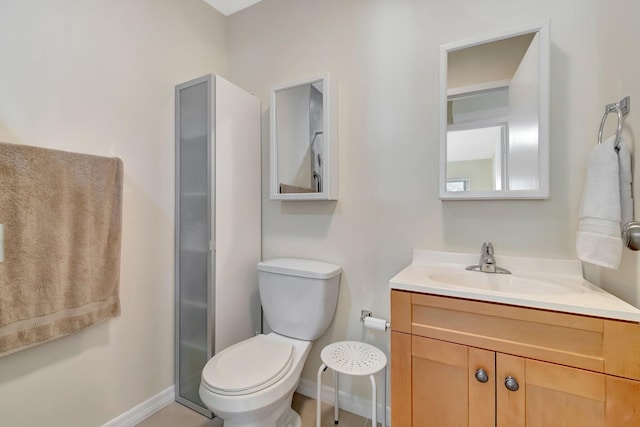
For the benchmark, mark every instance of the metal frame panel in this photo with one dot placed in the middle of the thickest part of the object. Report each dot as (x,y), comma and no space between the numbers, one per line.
(210,263)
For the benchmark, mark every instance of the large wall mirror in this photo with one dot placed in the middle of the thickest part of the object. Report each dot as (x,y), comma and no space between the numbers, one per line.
(303,147)
(494,121)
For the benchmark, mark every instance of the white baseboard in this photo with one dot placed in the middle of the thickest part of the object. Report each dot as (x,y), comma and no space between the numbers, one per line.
(348,402)
(144,410)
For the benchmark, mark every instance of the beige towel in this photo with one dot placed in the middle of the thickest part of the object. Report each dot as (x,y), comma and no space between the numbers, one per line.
(287,189)
(62,216)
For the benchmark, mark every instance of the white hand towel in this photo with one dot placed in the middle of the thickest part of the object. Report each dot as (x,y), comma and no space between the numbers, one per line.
(598,240)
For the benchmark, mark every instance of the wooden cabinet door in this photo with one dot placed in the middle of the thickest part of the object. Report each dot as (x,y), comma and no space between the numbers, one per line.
(482,394)
(445,391)
(400,379)
(622,408)
(510,404)
(548,395)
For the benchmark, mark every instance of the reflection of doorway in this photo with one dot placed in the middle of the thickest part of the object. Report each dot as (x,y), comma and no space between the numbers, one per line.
(477,153)
(477,136)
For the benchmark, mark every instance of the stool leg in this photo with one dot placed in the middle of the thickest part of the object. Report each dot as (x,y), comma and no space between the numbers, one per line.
(384,402)
(336,379)
(374,401)
(323,367)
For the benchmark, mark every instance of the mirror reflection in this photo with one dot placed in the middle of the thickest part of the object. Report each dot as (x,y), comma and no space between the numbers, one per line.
(300,137)
(494,141)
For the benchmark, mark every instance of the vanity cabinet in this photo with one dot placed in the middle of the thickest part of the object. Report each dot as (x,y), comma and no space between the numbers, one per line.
(457,362)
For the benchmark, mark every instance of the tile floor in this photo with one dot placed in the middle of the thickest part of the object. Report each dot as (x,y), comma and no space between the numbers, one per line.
(177,415)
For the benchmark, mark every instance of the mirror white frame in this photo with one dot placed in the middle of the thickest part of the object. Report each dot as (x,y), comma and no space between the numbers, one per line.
(329,164)
(542,192)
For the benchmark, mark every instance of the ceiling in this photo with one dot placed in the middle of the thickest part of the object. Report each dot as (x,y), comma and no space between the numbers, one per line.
(229,7)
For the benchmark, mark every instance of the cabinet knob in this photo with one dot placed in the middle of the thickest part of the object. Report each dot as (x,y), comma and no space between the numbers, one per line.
(511,383)
(482,376)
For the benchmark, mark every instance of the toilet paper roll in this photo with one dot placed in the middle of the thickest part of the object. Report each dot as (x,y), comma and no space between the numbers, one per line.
(375,323)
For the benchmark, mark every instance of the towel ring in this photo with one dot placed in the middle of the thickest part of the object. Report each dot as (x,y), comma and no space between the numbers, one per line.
(622,109)
(609,109)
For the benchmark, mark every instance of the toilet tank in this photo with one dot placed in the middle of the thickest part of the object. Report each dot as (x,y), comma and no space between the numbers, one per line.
(299,296)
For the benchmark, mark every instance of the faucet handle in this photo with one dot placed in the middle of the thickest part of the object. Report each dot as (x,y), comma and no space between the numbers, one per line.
(487,248)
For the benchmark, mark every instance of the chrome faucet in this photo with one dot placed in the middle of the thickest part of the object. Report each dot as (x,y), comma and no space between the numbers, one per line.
(487,262)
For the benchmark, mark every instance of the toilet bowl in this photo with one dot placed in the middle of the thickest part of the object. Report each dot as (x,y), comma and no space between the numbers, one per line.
(267,369)
(251,384)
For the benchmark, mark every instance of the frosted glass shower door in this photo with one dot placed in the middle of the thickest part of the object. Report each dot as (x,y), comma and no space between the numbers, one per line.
(193,235)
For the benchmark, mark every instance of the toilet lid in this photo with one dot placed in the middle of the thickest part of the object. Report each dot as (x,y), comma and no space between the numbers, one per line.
(248,366)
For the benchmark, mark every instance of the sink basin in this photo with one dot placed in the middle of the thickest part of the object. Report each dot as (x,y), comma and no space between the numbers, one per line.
(511,283)
(547,284)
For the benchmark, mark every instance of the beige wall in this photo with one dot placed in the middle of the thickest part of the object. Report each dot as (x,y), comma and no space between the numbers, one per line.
(98,77)
(479,172)
(617,76)
(385,57)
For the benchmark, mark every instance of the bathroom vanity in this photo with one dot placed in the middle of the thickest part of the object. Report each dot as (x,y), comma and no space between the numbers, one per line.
(471,348)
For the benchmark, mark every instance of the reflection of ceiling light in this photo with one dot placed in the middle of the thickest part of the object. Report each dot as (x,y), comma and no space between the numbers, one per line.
(229,7)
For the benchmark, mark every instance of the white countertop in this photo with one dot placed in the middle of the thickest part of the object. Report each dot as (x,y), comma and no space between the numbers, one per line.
(546,284)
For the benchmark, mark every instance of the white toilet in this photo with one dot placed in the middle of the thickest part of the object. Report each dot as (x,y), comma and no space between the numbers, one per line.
(251,384)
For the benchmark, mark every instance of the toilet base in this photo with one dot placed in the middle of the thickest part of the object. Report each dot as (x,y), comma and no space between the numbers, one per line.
(283,416)
(290,419)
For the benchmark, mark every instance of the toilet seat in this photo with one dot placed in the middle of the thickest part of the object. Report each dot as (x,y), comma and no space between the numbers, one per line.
(248,366)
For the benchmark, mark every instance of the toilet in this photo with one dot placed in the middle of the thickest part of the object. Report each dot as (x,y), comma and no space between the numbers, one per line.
(251,384)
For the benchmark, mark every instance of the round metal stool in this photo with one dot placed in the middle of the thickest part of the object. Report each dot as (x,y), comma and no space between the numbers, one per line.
(353,358)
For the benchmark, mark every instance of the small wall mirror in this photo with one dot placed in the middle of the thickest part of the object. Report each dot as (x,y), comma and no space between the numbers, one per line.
(303,148)
(494,100)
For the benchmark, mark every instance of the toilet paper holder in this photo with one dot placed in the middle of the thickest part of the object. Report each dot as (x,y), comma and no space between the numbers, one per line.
(367,313)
